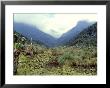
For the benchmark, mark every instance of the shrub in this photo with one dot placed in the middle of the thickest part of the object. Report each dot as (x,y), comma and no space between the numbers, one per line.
(65,57)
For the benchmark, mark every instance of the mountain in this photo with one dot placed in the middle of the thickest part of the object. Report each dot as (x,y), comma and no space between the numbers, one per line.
(34,33)
(88,37)
(74,32)
(19,38)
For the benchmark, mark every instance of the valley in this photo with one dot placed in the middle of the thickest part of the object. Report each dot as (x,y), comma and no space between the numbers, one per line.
(73,56)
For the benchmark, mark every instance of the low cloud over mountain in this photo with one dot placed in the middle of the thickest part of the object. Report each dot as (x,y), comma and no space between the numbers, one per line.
(30,31)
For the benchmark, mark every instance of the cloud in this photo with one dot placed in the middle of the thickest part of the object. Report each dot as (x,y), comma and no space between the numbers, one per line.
(53,24)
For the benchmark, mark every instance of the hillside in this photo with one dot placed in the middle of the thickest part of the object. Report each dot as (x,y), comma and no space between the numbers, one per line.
(74,32)
(86,38)
(30,31)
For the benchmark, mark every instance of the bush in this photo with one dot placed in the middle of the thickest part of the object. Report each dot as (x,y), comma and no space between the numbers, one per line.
(65,57)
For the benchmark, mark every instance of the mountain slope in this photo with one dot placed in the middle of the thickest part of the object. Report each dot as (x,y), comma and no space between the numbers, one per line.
(74,32)
(88,37)
(34,33)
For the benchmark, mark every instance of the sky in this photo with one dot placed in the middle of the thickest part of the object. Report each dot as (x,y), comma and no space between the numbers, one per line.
(54,24)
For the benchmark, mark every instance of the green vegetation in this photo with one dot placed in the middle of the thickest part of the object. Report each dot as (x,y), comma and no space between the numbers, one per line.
(36,59)
(47,62)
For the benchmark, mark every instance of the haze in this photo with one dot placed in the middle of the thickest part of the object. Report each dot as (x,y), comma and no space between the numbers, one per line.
(54,24)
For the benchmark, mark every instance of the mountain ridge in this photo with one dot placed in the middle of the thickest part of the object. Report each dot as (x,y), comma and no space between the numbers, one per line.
(72,34)
(37,35)
(32,32)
